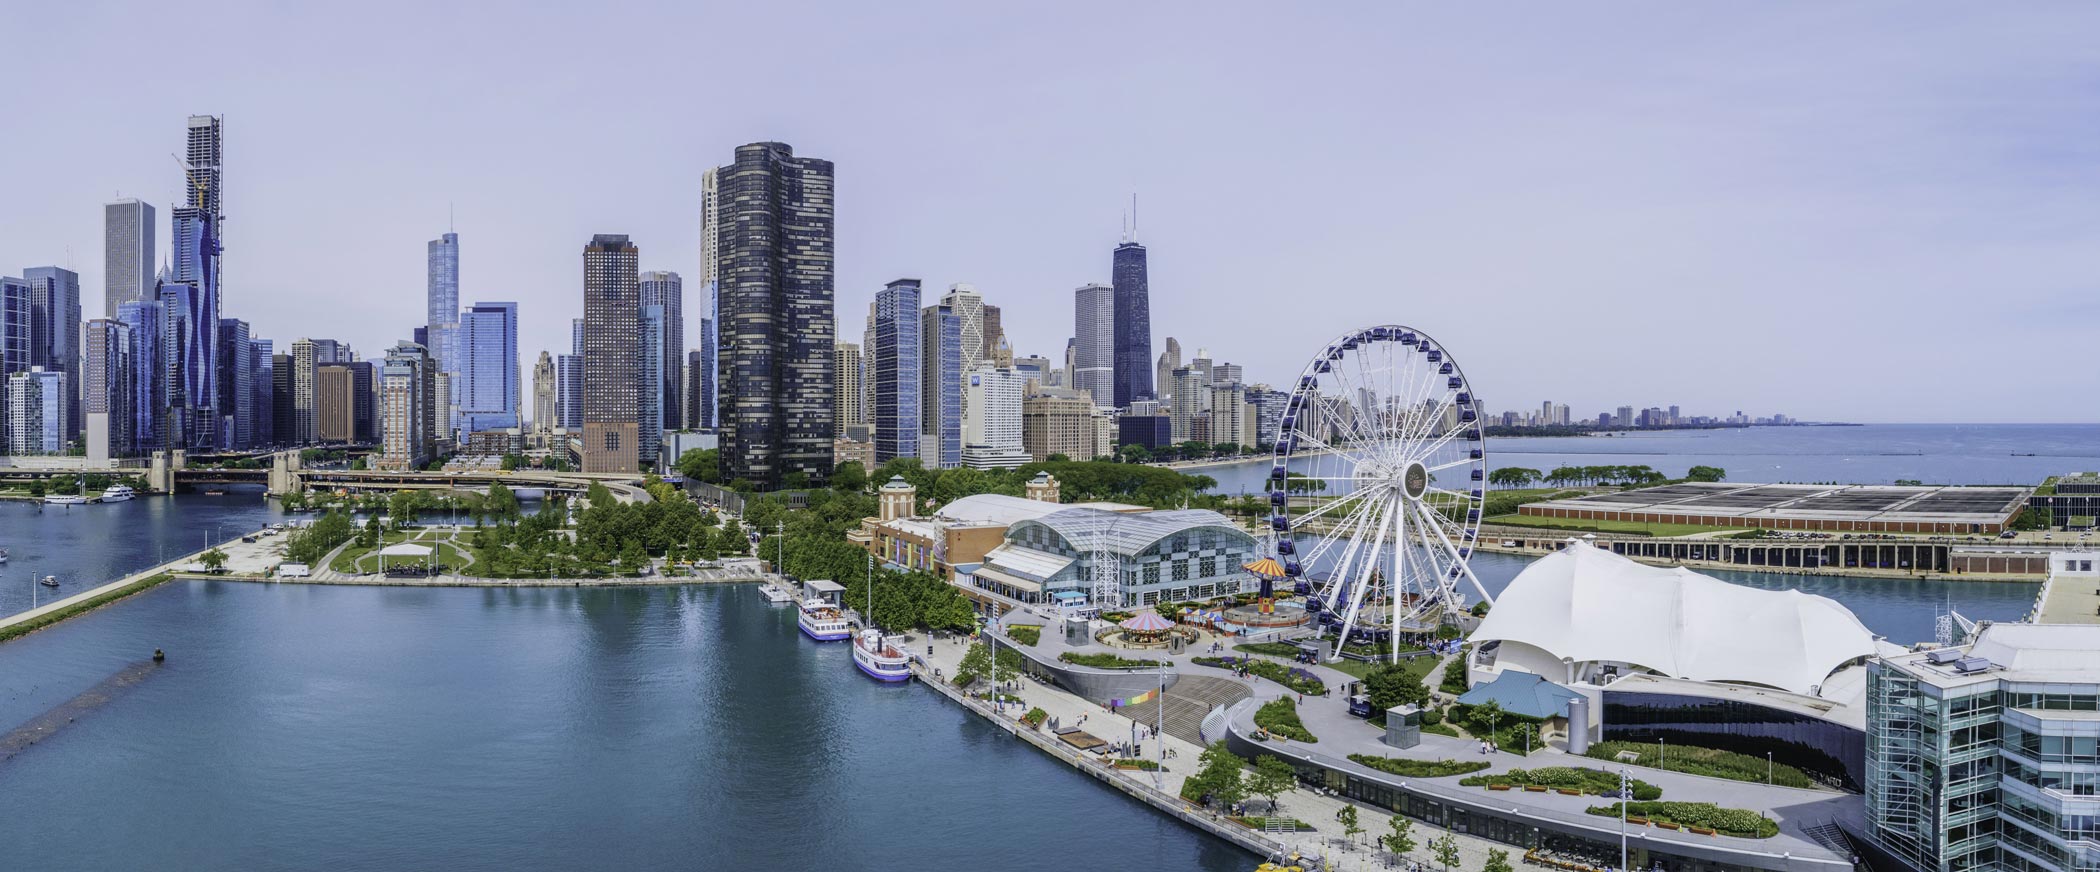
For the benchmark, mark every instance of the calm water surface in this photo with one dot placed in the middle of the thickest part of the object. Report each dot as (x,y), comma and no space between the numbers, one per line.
(86,546)
(357,728)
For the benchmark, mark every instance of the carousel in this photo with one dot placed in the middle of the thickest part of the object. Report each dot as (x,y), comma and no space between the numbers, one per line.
(1146,629)
(1266,613)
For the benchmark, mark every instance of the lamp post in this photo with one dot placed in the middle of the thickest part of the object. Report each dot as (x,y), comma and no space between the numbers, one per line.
(1768,768)
(1625,794)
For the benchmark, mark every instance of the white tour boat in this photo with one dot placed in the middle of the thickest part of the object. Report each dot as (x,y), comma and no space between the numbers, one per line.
(879,659)
(822,621)
(775,595)
(117,494)
(65,500)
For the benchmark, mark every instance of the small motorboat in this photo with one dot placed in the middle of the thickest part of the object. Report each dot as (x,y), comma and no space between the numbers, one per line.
(48,581)
(3,555)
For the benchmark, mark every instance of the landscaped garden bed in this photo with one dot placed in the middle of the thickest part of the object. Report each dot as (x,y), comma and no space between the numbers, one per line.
(1568,780)
(1027,634)
(1106,661)
(1296,679)
(1710,762)
(1280,717)
(1419,768)
(1704,818)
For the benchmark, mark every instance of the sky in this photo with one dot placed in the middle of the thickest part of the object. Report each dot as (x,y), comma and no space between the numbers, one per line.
(1861,212)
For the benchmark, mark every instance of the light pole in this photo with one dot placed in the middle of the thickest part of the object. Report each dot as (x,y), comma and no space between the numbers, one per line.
(1625,794)
(1660,757)
(1768,769)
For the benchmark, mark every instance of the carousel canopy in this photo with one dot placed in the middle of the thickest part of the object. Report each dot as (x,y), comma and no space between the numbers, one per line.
(1265,566)
(1147,622)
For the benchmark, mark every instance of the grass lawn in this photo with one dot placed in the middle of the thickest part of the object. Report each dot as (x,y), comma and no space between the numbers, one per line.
(358,558)
(1590,526)
(1416,667)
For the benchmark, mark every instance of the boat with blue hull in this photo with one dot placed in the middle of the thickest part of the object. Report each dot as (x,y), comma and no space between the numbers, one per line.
(875,657)
(822,621)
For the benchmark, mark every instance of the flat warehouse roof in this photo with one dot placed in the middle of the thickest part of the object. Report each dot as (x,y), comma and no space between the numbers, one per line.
(1927,504)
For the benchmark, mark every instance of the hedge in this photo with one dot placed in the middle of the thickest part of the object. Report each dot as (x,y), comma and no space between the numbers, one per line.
(1106,661)
(1026,633)
(1420,768)
(1591,781)
(1280,717)
(1292,677)
(1727,821)
(1711,762)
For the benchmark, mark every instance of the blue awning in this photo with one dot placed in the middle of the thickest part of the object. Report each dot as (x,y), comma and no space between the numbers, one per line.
(1522,693)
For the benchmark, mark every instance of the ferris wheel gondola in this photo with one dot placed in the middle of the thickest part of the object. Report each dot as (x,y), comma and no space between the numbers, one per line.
(1377,487)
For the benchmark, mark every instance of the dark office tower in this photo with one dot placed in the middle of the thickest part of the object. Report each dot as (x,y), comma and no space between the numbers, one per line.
(775,305)
(54,325)
(666,289)
(364,401)
(236,405)
(611,337)
(284,413)
(262,391)
(1133,373)
(696,370)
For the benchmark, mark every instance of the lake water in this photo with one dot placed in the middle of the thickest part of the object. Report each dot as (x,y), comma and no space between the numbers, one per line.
(361,728)
(1867,454)
(87,546)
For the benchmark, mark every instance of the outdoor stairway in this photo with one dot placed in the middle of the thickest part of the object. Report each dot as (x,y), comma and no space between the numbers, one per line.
(1829,835)
(1187,702)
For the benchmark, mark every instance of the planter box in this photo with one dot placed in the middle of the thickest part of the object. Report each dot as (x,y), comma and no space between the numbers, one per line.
(1666,825)
(1534,788)
(1567,791)
(1701,830)
(1637,821)
(1498,787)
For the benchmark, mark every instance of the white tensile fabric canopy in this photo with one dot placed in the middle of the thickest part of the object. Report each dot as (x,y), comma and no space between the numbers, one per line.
(1582,604)
(405,549)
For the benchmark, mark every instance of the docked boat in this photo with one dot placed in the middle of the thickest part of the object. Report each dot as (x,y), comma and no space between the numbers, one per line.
(775,595)
(65,500)
(48,581)
(879,659)
(3,555)
(117,494)
(822,621)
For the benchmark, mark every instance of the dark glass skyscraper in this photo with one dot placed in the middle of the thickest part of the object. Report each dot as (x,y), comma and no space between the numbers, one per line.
(894,379)
(667,289)
(774,252)
(611,338)
(1133,374)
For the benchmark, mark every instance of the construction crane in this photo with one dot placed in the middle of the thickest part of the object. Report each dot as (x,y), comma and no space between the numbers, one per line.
(199,188)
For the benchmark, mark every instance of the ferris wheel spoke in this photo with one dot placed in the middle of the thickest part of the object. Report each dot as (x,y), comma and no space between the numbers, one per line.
(1463,461)
(1428,451)
(1466,568)
(1361,587)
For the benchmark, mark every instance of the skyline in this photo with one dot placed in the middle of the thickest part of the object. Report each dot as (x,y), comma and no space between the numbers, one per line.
(1889,189)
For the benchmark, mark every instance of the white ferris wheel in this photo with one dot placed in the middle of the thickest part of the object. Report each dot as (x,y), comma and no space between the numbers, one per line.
(1376,490)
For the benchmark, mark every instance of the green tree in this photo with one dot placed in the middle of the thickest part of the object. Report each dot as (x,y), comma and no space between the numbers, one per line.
(1498,861)
(214,559)
(1706,473)
(402,506)
(502,503)
(976,662)
(1219,776)
(599,495)
(1446,850)
(1513,476)
(849,476)
(1392,685)
(1350,823)
(1401,841)
(1134,453)
(1271,777)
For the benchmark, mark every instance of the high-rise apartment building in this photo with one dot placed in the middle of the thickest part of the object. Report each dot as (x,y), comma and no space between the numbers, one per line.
(1228,415)
(106,391)
(335,405)
(36,411)
(895,377)
(649,385)
(262,382)
(364,400)
(128,253)
(702,381)
(544,416)
(190,339)
(994,332)
(1169,361)
(704,415)
(1190,392)
(667,290)
(54,301)
(846,402)
(485,350)
(1133,320)
(776,321)
(991,426)
(1226,374)
(407,409)
(236,402)
(940,387)
(305,358)
(1058,425)
(147,407)
(611,340)
(1093,357)
(15,332)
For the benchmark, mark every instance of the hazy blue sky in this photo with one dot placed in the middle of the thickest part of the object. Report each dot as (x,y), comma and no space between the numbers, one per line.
(1857,211)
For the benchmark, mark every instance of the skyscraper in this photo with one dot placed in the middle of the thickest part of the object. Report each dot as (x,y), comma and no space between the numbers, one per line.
(408,409)
(441,301)
(485,348)
(994,330)
(54,302)
(991,432)
(1094,342)
(1133,331)
(846,405)
(968,306)
(284,420)
(236,400)
(262,384)
(895,375)
(190,346)
(667,290)
(36,411)
(649,385)
(703,415)
(941,387)
(543,394)
(611,339)
(106,391)
(335,406)
(776,322)
(699,373)
(149,399)
(128,251)
(1169,361)
(15,332)
(305,358)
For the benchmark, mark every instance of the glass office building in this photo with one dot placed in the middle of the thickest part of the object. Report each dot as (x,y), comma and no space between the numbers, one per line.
(1987,756)
(487,352)
(1826,750)
(895,377)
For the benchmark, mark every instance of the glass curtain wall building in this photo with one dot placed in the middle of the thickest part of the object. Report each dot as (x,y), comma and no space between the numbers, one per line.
(145,320)
(1133,320)
(895,375)
(667,291)
(649,386)
(941,387)
(486,389)
(1987,756)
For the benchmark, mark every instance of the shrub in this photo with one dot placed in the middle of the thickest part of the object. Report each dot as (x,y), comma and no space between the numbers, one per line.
(1036,716)
(1134,763)
(1296,679)
(1028,634)
(1420,768)
(1710,762)
(1590,781)
(1106,661)
(1727,821)
(1454,682)
(1280,717)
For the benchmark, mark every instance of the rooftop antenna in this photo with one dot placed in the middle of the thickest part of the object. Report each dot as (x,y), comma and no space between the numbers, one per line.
(1133,216)
(448,216)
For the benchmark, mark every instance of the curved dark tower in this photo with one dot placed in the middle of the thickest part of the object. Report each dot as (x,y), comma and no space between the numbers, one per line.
(1133,367)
